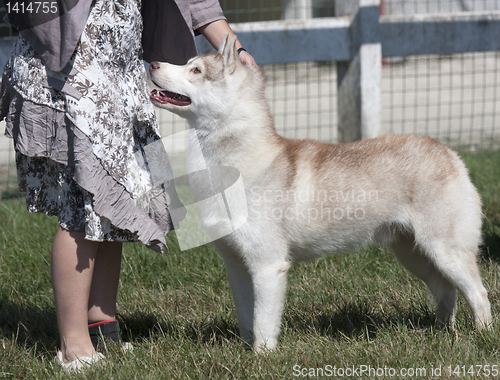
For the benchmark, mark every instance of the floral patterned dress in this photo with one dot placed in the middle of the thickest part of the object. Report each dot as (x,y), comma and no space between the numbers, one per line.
(81,149)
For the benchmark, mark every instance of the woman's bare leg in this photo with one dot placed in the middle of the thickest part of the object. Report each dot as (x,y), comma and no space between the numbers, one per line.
(72,267)
(102,300)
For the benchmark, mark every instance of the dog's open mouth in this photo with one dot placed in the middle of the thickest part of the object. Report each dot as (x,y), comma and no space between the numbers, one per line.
(164,97)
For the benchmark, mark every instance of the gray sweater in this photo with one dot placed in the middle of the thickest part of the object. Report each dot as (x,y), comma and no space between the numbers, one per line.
(168,35)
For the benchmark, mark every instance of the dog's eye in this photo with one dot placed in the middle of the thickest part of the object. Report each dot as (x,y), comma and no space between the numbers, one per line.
(196,70)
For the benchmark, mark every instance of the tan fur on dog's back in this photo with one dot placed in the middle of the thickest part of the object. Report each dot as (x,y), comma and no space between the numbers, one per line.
(306,199)
(396,166)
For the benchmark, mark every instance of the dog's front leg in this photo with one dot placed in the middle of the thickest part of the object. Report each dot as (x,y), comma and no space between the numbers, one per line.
(269,284)
(240,283)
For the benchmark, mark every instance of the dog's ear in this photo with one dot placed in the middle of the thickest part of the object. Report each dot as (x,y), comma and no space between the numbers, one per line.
(223,44)
(230,54)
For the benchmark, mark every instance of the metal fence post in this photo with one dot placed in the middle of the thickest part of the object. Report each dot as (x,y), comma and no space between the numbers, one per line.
(359,98)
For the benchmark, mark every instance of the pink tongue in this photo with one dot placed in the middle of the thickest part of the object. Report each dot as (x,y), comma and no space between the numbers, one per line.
(170,97)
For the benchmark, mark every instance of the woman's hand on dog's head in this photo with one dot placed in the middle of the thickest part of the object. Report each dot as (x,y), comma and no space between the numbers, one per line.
(247,59)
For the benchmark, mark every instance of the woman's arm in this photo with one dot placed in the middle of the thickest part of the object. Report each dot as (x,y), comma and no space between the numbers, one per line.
(215,32)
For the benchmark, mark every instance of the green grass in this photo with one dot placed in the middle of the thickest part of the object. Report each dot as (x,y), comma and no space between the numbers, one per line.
(345,311)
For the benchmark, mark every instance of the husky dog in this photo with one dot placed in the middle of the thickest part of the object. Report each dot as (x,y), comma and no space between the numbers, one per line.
(306,199)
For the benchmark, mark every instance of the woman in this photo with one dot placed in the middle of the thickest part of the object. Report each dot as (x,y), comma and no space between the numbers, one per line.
(76,103)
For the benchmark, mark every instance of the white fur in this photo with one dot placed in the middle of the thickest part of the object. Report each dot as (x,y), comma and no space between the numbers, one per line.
(410,193)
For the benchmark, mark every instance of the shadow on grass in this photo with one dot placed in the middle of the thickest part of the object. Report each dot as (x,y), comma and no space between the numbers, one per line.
(140,326)
(28,325)
(350,320)
(355,318)
(490,249)
(32,327)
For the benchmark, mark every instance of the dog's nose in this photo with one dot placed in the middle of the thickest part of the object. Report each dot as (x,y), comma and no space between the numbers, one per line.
(154,66)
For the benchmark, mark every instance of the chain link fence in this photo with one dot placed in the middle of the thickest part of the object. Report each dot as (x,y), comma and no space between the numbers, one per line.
(452,98)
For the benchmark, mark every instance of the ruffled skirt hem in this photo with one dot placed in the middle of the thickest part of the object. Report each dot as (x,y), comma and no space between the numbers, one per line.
(61,176)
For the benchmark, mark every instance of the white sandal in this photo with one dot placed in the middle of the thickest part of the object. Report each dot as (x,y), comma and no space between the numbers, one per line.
(127,347)
(80,364)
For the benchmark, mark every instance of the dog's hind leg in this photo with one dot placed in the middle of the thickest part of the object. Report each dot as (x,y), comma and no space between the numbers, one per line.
(459,267)
(413,259)
(446,268)
(269,283)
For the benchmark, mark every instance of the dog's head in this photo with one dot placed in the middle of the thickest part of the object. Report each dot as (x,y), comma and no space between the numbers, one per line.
(206,85)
